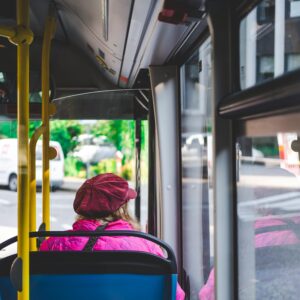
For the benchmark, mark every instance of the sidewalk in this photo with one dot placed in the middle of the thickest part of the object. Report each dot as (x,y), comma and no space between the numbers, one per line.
(71,184)
(6,233)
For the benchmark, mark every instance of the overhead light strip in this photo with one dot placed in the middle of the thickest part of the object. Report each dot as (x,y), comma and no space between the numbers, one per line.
(104,19)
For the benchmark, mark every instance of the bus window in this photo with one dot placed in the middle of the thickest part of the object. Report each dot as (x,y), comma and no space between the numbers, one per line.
(8,200)
(269,41)
(268,205)
(196,155)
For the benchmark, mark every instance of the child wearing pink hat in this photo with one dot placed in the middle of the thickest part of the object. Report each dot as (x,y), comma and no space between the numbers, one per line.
(102,200)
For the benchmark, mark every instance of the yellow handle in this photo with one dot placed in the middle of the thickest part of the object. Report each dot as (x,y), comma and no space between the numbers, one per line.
(47,109)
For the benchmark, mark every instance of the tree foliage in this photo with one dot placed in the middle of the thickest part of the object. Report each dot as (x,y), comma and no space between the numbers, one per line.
(64,132)
(8,129)
(60,130)
(119,132)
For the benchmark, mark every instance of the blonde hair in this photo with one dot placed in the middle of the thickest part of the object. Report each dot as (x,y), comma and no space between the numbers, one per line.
(121,214)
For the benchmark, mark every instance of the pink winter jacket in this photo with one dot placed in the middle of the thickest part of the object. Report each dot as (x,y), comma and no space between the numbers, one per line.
(274,238)
(105,243)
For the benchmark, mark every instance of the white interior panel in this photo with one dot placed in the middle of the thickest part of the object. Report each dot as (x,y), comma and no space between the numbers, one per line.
(159,41)
(90,12)
(164,81)
(85,37)
(140,15)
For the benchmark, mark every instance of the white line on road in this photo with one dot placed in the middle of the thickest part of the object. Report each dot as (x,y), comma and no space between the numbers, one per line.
(287,205)
(52,219)
(275,198)
(62,206)
(5,202)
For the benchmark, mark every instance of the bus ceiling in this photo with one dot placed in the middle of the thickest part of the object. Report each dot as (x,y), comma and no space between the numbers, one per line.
(104,45)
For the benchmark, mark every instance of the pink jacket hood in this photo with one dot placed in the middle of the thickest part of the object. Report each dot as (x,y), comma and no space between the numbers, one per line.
(104,243)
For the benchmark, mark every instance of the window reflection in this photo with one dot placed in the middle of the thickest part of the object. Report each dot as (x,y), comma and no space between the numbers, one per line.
(269,41)
(269,216)
(196,153)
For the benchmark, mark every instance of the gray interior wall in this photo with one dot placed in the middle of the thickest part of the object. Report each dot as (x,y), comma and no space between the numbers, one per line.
(164,81)
(224,184)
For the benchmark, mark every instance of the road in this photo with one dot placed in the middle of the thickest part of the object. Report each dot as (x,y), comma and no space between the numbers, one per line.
(62,213)
(257,185)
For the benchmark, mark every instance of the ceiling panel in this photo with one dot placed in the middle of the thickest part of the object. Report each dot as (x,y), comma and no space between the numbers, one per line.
(88,16)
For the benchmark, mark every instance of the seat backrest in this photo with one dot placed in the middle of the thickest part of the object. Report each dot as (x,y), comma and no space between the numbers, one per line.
(97,275)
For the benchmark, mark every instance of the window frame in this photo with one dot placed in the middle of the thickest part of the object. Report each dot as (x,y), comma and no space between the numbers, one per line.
(262,98)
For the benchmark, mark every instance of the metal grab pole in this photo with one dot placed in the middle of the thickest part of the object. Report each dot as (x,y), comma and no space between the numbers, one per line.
(48,35)
(7,31)
(23,121)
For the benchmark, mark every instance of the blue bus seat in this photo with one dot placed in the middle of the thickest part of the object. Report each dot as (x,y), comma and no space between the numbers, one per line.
(105,275)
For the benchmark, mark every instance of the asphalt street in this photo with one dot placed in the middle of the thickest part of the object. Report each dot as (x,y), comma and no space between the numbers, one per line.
(62,213)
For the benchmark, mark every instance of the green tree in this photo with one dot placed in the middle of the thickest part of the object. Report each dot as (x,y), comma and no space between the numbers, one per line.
(119,132)
(64,132)
(33,125)
(8,129)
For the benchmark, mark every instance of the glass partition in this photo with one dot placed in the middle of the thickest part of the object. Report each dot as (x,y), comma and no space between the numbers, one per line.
(196,156)
(268,201)
(85,148)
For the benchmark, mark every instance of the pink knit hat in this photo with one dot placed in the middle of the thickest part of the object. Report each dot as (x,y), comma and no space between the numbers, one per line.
(102,195)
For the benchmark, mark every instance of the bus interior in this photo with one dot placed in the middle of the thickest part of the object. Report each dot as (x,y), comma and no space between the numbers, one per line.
(217,84)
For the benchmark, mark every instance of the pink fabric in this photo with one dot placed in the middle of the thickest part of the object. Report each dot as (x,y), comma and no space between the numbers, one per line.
(105,243)
(274,238)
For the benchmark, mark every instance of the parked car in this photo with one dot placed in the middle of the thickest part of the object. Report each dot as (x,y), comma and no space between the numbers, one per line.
(9,164)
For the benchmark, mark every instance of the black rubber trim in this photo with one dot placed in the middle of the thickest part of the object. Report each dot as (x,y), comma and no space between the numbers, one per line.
(16,273)
(165,246)
(278,94)
(245,6)
(97,262)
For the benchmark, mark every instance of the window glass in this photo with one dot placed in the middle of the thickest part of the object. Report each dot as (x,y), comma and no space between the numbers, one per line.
(2,79)
(268,193)
(85,148)
(269,41)
(196,155)
(8,87)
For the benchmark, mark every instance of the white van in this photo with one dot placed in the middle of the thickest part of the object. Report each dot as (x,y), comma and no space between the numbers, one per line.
(9,164)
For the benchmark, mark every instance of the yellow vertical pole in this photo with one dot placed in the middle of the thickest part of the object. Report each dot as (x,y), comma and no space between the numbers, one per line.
(23,121)
(22,36)
(32,184)
(48,35)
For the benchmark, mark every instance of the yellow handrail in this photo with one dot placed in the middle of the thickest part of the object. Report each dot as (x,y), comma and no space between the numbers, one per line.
(22,36)
(7,31)
(48,35)
(23,39)
(32,184)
